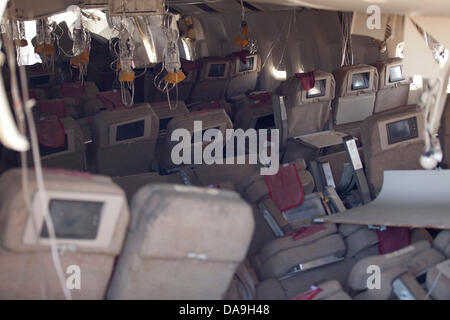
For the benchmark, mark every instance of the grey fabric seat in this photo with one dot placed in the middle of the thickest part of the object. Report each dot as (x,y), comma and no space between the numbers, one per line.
(213,77)
(393,87)
(124,140)
(210,119)
(71,155)
(280,256)
(416,259)
(183,243)
(90,218)
(243,75)
(392,140)
(356,88)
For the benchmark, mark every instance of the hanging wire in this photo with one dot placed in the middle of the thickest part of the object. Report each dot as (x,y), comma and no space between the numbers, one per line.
(272,47)
(347,50)
(292,21)
(19,108)
(171,59)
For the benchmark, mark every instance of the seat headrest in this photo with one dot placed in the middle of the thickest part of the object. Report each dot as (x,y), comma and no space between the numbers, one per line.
(323,89)
(89,212)
(214,68)
(189,222)
(442,242)
(244,62)
(375,129)
(56,107)
(111,99)
(50,132)
(355,79)
(163,110)
(210,118)
(390,72)
(138,123)
(414,258)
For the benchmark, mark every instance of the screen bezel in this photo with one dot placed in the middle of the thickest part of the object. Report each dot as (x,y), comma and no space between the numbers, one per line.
(320,94)
(225,73)
(383,133)
(388,73)
(324,97)
(255,64)
(112,206)
(350,81)
(70,146)
(113,131)
(414,133)
(368,80)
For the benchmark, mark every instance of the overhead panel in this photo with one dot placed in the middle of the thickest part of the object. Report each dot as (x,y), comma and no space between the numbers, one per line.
(416,7)
(136,7)
(32,9)
(409,198)
(95,4)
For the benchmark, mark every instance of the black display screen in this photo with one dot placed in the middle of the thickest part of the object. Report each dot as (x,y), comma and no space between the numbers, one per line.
(163,123)
(395,74)
(248,66)
(45,151)
(74,219)
(360,81)
(318,90)
(216,70)
(130,130)
(39,80)
(402,130)
(266,122)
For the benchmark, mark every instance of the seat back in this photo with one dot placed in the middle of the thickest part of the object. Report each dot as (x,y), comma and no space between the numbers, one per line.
(393,87)
(255,111)
(104,100)
(392,140)
(210,119)
(183,243)
(165,113)
(90,217)
(61,144)
(124,140)
(416,259)
(60,108)
(38,77)
(306,248)
(213,77)
(439,287)
(244,73)
(356,88)
(307,111)
(81,93)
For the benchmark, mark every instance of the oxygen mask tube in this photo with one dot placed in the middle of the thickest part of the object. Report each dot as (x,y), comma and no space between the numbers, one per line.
(171,59)
(126,54)
(44,42)
(243,38)
(81,43)
(19,38)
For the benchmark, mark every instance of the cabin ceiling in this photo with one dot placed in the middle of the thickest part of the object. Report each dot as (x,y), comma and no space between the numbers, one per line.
(422,7)
(30,9)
